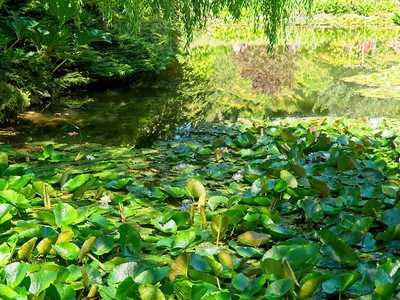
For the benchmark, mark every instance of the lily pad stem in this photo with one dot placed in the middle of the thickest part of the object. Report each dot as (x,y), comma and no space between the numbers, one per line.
(101,265)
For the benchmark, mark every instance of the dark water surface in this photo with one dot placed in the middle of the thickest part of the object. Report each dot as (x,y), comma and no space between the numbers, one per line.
(228,81)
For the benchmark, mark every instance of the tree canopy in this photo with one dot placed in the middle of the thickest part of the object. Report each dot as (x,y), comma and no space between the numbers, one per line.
(272,15)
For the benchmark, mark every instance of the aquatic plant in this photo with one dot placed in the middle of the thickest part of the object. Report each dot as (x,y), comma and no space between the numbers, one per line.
(315,212)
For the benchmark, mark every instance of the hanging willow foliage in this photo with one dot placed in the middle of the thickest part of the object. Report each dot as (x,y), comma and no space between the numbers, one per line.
(191,15)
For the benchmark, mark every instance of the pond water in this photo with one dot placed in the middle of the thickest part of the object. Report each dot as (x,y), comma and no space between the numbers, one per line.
(325,71)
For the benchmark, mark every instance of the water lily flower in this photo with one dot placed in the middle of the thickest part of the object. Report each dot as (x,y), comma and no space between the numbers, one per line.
(238,177)
(89,157)
(105,200)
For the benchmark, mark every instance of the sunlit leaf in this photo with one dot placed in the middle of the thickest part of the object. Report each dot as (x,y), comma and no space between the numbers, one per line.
(253,238)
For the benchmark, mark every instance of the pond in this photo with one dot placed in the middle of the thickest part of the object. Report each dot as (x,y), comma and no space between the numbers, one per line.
(352,72)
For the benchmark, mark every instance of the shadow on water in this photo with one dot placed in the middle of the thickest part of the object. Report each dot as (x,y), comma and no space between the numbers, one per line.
(307,77)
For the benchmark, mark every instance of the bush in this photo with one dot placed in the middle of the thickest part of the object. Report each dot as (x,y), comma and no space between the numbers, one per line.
(12,101)
(361,7)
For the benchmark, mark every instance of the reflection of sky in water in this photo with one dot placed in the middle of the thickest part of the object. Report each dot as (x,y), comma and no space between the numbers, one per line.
(309,85)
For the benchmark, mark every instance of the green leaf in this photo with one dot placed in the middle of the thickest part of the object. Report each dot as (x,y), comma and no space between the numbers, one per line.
(168,227)
(122,271)
(92,275)
(5,214)
(219,225)
(214,201)
(245,139)
(289,178)
(309,286)
(26,249)
(183,240)
(280,185)
(280,232)
(8,293)
(3,158)
(40,281)
(391,217)
(66,250)
(320,186)
(48,151)
(15,198)
(298,170)
(102,245)
(152,276)
(15,273)
(240,282)
(332,285)
(347,280)
(150,292)
(5,254)
(273,269)
(299,254)
(337,249)
(75,183)
(390,188)
(83,188)
(226,259)
(64,214)
(65,291)
(345,163)
(278,288)
(175,192)
(386,290)
(129,240)
(252,238)
(195,188)
(3,184)
(183,290)
(126,289)
(180,266)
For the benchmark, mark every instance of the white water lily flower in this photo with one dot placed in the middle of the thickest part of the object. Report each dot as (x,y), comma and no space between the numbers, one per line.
(105,200)
(238,177)
(89,157)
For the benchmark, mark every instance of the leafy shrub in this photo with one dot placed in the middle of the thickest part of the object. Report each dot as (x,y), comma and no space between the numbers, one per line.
(12,101)
(361,7)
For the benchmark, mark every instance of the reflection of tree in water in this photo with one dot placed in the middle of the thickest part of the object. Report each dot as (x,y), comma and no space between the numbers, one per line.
(339,99)
(163,125)
(269,70)
(217,91)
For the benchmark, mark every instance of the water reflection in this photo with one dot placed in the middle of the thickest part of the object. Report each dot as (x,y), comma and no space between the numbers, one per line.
(306,77)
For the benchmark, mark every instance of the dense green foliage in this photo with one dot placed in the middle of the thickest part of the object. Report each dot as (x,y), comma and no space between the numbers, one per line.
(13,101)
(191,15)
(290,208)
(47,48)
(51,46)
(361,7)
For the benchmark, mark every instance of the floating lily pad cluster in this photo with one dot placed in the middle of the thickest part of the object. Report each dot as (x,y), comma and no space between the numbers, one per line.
(384,85)
(286,208)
